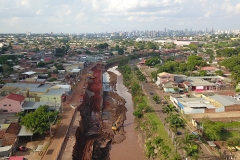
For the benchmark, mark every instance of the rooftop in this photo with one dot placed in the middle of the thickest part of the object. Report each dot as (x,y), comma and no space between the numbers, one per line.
(7,118)
(199,82)
(32,105)
(42,90)
(23,85)
(16,97)
(56,92)
(164,74)
(29,73)
(13,128)
(225,100)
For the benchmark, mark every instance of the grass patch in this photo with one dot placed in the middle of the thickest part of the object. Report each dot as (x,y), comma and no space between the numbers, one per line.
(154,120)
(229,124)
(167,98)
(46,145)
(235,134)
(59,119)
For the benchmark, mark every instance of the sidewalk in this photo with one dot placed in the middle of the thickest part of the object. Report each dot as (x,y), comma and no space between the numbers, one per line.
(54,149)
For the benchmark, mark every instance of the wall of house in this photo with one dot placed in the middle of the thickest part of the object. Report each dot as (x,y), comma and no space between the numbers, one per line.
(178,79)
(168,90)
(180,105)
(235,107)
(9,105)
(193,110)
(220,109)
(166,78)
(33,94)
(50,98)
(212,110)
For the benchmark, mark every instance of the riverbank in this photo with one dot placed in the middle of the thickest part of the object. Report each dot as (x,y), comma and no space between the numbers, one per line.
(100,110)
(129,148)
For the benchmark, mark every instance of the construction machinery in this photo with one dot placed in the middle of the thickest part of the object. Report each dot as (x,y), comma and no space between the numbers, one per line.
(116,124)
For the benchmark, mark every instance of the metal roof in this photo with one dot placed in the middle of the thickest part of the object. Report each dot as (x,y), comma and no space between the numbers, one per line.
(56,92)
(24,132)
(199,82)
(32,105)
(225,100)
(43,90)
(29,73)
(22,85)
(45,86)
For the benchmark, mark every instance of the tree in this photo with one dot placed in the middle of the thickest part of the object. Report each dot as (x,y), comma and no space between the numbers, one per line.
(156,98)
(213,131)
(169,108)
(41,64)
(175,122)
(203,73)
(209,51)
(191,147)
(152,61)
(193,47)
(38,121)
(219,73)
(154,75)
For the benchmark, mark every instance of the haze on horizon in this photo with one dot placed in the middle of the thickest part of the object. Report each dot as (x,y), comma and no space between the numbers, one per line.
(80,16)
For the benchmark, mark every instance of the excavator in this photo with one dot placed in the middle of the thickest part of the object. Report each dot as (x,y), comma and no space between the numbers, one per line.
(115,124)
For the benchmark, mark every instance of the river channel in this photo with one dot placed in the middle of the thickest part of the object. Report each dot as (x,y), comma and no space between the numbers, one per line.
(129,149)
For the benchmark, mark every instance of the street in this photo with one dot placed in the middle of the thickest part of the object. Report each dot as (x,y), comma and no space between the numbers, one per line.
(148,87)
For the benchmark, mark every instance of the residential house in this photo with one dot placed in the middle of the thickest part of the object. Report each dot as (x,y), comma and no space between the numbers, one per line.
(53,95)
(9,139)
(164,77)
(170,87)
(198,84)
(209,70)
(206,104)
(12,103)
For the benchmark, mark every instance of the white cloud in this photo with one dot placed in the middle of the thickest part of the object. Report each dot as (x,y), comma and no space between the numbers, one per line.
(231,9)
(39,12)
(103,15)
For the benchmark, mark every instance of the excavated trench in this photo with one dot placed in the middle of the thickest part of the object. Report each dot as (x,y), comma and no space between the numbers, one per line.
(99,110)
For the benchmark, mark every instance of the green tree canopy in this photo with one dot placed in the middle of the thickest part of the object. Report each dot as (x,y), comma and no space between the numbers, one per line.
(152,61)
(38,121)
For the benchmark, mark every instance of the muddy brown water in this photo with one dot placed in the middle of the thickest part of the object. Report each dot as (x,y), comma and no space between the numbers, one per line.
(129,149)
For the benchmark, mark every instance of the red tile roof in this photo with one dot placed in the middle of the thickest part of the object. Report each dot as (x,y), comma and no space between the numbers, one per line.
(13,128)
(2,133)
(15,97)
(208,68)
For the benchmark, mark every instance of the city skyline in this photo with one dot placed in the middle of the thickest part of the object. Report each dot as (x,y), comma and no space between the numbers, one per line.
(79,16)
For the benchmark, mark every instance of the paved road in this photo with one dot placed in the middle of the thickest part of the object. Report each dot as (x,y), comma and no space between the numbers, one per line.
(151,87)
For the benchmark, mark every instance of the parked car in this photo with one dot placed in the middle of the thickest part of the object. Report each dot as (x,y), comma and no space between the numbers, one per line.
(179,133)
(151,93)
(22,148)
(157,102)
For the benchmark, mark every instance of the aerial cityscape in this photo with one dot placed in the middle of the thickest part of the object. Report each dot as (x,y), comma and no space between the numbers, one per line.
(120,80)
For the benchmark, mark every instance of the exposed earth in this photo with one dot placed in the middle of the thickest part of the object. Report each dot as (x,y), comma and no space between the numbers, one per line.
(99,111)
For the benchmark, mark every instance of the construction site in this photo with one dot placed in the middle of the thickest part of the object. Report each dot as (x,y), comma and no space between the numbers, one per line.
(102,117)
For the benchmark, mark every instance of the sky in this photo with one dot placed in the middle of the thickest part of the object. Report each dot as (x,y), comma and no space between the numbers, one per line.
(94,16)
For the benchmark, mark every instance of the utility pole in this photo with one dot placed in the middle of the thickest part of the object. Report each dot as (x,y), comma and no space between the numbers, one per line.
(50,127)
